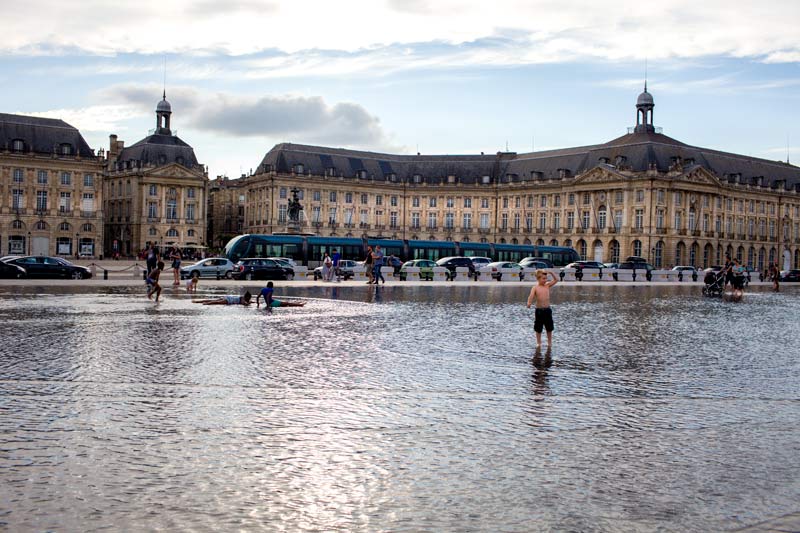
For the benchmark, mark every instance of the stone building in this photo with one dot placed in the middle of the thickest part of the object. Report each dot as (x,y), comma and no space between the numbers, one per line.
(155,191)
(226,199)
(643,194)
(50,189)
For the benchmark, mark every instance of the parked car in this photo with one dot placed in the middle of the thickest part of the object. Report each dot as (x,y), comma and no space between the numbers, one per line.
(209,268)
(285,260)
(497,265)
(535,262)
(343,270)
(451,263)
(630,265)
(480,262)
(425,269)
(261,268)
(38,266)
(686,269)
(9,258)
(585,264)
(12,271)
(610,265)
(790,275)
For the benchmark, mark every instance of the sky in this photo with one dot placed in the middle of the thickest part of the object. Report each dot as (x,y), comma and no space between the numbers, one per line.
(407,76)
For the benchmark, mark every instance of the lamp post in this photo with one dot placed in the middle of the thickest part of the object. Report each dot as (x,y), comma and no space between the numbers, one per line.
(77,245)
(29,243)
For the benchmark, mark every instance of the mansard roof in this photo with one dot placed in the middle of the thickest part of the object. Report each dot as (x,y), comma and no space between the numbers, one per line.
(159,150)
(41,135)
(634,152)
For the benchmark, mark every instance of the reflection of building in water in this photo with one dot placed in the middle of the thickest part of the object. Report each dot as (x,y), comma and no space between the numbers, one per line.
(643,194)
(155,191)
(51,183)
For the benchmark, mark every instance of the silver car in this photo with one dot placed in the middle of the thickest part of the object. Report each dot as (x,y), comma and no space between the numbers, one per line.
(212,267)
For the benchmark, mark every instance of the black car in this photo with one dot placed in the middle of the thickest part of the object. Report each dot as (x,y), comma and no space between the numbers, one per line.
(9,271)
(635,265)
(791,275)
(451,263)
(39,266)
(258,268)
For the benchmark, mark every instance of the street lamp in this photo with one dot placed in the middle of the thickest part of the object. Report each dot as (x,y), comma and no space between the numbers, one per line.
(29,243)
(77,245)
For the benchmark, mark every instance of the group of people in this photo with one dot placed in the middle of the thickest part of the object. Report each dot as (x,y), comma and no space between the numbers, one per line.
(268,293)
(735,276)
(155,266)
(330,265)
(373,262)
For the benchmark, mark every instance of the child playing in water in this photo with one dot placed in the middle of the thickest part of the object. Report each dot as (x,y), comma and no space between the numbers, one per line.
(228,300)
(152,281)
(543,314)
(191,284)
(271,302)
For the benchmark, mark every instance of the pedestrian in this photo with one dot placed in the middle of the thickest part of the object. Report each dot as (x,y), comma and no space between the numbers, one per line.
(175,255)
(151,258)
(727,271)
(738,280)
(377,257)
(152,281)
(775,274)
(368,264)
(543,314)
(335,257)
(327,266)
(395,262)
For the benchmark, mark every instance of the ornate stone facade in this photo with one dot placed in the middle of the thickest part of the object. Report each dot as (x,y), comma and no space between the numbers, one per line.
(642,194)
(155,191)
(50,189)
(226,200)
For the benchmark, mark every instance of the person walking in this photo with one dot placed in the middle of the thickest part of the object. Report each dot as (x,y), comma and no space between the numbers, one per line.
(377,257)
(151,258)
(327,267)
(335,257)
(775,274)
(369,262)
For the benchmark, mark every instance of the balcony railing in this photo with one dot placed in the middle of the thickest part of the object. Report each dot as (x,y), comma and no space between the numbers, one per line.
(661,231)
(484,231)
(695,233)
(88,214)
(682,231)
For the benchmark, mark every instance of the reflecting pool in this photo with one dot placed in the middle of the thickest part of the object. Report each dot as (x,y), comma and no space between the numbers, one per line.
(402,409)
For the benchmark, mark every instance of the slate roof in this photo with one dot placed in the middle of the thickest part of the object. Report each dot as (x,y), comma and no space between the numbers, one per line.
(159,150)
(41,135)
(637,152)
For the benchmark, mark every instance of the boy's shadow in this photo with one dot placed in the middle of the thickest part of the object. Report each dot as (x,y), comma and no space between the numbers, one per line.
(541,364)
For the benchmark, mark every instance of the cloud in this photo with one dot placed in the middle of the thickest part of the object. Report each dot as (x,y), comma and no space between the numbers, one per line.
(502,32)
(100,118)
(308,119)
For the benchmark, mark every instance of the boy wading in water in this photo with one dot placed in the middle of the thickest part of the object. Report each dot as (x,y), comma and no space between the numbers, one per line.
(540,293)
(152,281)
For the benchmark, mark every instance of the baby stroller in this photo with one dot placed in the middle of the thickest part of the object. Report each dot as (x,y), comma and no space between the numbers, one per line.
(714,283)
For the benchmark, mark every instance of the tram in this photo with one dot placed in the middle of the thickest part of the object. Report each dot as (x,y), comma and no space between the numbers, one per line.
(308,250)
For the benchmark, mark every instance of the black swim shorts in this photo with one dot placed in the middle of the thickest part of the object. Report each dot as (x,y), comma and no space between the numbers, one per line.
(543,319)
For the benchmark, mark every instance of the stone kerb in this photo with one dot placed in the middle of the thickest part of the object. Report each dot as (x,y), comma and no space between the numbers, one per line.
(301,273)
(609,273)
(592,274)
(662,275)
(529,274)
(387,272)
(626,274)
(440,274)
(509,275)
(462,274)
(485,274)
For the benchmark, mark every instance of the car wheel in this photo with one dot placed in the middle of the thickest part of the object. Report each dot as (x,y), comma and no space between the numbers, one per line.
(289,277)
(195,273)
(228,274)
(77,275)
(316,277)
(249,276)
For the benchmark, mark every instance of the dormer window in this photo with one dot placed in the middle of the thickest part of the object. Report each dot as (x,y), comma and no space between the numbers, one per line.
(417,178)
(65,149)
(620,160)
(18,145)
(486,180)
(361,174)
(392,177)
(330,171)
(298,169)
(162,159)
(604,160)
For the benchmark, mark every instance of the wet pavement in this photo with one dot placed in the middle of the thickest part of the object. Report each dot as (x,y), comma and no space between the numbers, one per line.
(400,408)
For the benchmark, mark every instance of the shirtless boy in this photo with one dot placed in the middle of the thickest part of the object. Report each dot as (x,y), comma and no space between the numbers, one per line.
(540,293)
(152,281)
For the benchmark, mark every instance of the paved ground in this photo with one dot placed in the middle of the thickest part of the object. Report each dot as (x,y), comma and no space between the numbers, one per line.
(788,523)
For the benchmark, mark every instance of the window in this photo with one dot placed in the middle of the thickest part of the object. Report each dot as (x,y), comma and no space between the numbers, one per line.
(153,190)
(65,202)
(41,177)
(152,210)
(692,223)
(415,220)
(450,202)
(172,233)
(504,221)
(432,201)
(190,192)
(601,217)
(585,219)
(505,202)
(619,197)
(543,201)
(17,224)
(41,200)
(41,225)
(570,220)
(282,193)
(484,221)
(556,221)
(432,220)
(190,233)
(660,219)
(316,214)
(678,220)
(378,199)
(348,198)
(332,215)
(618,220)
(706,223)
(449,219)
(516,202)
(393,219)
(571,199)
(64,226)
(152,231)
(638,221)
(542,221)
(415,201)
(639,196)
(88,203)
(660,196)
(530,201)
(677,197)
(18,145)
(316,196)
(88,180)
(172,209)
(282,214)
(587,198)
(516,221)
(66,178)
(484,203)
(467,219)
(393,201)
(332,196)
(87,228)
(18,175)
(190,212)
(364,199)
(557,200)
(65,149)
(637,248)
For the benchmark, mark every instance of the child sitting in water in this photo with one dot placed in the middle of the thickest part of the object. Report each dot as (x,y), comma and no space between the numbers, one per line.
(191,284)
(152,281)
(228,300)
(543,314)
(271,302)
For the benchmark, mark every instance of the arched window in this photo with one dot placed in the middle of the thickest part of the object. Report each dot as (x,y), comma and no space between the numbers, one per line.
(526,241)
(740,254)
(190,233)
(761,258)
(152,231)
(540,242)
(614,251)
(751,256)
(568,243)
(582,249)
(637,248)
(87,228)
(797,258)
(679,251)
(484,239)
(554,242)
(41,225)
(172,233)
(514,241)
(64,226)
(17,224)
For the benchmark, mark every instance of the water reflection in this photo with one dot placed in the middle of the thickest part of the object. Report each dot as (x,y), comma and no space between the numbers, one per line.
(389,408)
